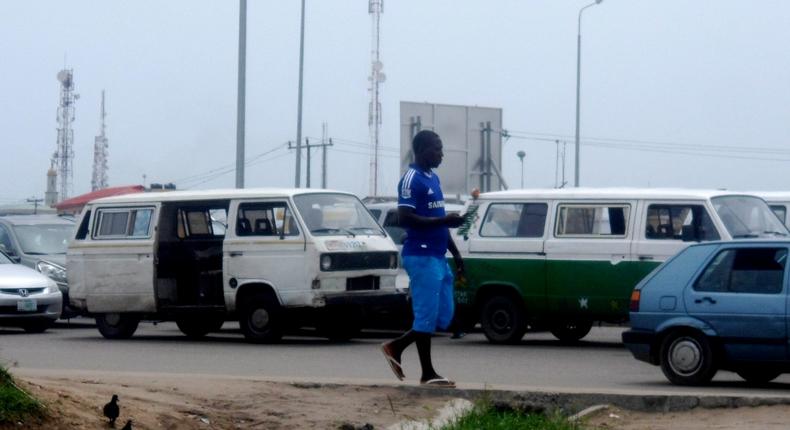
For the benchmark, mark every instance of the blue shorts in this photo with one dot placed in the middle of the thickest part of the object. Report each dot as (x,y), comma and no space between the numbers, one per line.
(431,286)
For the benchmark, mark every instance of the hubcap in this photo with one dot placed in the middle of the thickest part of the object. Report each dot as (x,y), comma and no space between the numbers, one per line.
(500,319)
(112,319)
(259,319)
(685,356)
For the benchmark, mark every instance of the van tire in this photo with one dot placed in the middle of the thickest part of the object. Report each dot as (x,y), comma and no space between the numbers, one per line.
(195,327)
(260,319)
(117,326)
(571,330)
(37,326)
(687,358)
(503,320)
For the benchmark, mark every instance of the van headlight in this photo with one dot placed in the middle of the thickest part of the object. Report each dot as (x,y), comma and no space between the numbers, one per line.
(393,260)
(326,262)
(53,271)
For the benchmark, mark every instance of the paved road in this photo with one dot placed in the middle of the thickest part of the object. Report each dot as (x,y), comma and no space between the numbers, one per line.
(599,363)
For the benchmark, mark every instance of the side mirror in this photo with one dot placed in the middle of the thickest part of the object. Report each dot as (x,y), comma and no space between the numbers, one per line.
(688,234)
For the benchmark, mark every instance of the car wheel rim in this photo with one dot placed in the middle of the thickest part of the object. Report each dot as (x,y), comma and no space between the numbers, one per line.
(259,319)
(112,319)
(685,356)
(500,321)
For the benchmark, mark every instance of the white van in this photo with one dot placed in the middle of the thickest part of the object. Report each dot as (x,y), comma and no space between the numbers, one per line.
(779,202)
(272,258)
(563,258)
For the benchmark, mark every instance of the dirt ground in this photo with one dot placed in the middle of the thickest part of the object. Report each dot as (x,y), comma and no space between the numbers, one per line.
(75,400)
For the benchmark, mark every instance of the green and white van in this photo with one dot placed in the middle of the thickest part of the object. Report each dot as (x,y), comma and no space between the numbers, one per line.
(561,259)
(268,258)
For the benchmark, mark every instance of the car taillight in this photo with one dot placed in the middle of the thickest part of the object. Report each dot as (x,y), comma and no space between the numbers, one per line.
(635,296)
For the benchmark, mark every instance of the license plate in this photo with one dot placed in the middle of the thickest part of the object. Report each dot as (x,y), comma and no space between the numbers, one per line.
(26,305)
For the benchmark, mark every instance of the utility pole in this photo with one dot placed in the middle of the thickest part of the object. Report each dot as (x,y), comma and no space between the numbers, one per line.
(323,155)
(376,78)
(307,146)
(241,92)
(556,163)
(323,169)
(35,202)
(299,107)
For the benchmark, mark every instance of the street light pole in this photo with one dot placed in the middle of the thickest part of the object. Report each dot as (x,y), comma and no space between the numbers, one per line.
(578,85)
(521,155)
(297,182)
(240,96)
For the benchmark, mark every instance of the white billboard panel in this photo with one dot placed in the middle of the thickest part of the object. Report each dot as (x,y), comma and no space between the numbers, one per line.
(471,135)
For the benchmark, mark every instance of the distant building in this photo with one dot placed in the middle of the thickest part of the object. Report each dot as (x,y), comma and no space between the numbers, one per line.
(74,205)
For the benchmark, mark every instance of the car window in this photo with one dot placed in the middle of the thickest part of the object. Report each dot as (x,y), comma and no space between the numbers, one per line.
(592,220)
(780,212)
(745,270)
(671,222)
(514,220)
(266,219)
(133,223)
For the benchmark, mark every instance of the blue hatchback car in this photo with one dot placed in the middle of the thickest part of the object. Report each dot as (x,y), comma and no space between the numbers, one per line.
(717,305)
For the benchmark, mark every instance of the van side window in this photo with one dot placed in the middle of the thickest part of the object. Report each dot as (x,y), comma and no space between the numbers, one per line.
(82,232)
(754,270)
(592,220)
(780,212)
(514,220)
(672,222)
(266,219)
(121,223)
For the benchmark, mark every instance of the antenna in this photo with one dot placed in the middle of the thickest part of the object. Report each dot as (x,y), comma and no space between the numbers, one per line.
(99,179)
(63,157)
(377,77)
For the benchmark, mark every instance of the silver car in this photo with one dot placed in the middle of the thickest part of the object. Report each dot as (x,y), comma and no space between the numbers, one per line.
(28,299)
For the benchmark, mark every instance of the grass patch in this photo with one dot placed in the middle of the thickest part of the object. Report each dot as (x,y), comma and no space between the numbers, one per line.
(484,416)
(16,404)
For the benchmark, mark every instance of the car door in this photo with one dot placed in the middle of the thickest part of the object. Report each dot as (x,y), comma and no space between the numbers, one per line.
(741,295)
(264,243)
(509,248)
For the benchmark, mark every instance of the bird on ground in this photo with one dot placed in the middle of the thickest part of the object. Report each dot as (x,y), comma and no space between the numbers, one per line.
(128,425)
(111,409)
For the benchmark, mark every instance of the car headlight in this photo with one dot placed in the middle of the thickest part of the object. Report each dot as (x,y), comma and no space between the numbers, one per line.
(52,288)
(326,262)
(393,261)
(53,271)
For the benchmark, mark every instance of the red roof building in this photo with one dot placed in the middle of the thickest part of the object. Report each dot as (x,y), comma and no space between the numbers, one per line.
(74,205)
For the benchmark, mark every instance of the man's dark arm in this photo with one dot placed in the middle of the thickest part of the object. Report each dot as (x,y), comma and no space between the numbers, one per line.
(459,262)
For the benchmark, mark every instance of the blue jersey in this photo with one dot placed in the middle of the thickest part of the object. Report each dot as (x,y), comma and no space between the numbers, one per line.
(421,191)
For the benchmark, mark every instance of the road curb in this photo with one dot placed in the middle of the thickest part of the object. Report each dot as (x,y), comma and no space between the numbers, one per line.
(569,402)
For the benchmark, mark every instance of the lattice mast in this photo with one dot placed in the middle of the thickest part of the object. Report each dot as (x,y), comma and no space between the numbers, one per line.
(63,158)
(377,77)
(99,179)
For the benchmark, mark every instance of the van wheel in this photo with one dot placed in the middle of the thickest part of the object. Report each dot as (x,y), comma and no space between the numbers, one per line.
(687,358)
(260,320)
(37,326)
(196,327)
(756,376)
(571,331)
(117,326)
(503,320)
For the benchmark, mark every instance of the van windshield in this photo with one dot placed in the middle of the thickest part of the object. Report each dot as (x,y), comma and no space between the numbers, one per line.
(328,214)
(44,239)
(747,217)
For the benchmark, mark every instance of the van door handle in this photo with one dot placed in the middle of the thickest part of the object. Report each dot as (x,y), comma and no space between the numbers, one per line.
(645,257)
(236,253)
(705,299)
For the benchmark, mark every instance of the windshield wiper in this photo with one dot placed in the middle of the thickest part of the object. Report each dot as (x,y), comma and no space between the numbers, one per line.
(329,230)
(775,233)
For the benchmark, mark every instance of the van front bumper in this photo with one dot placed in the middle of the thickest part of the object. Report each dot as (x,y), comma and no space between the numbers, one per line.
(640,343)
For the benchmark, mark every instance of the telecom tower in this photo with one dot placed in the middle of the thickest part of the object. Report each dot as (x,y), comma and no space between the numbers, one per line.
(377,77)
(63,157)
(99,179)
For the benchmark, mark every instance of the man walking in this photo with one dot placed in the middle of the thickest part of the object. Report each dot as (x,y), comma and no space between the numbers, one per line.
(421,211)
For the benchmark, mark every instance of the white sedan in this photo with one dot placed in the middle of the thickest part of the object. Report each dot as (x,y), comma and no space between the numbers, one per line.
(28,299)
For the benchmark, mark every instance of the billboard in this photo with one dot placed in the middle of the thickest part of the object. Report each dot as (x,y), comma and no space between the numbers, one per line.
(472,140)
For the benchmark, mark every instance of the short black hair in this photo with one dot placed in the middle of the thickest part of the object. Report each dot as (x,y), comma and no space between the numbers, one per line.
(422,140)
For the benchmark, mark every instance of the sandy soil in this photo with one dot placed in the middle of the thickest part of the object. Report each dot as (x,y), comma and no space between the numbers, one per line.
(154,401)
(182,402)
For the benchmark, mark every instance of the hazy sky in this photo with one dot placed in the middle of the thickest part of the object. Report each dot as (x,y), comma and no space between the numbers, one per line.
(674,92)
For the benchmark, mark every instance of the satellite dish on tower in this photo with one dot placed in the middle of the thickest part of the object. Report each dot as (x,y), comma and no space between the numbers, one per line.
(64,76)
